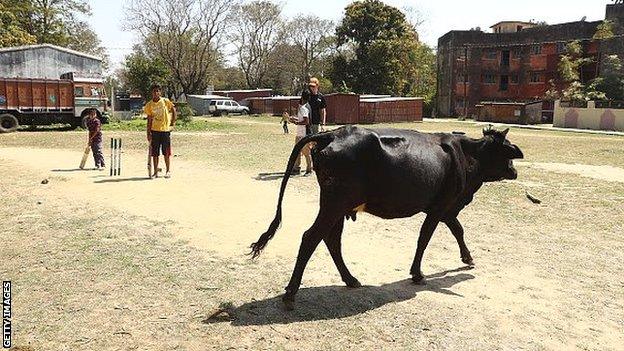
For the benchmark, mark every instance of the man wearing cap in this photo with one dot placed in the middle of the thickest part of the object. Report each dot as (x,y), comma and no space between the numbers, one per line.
(317,106)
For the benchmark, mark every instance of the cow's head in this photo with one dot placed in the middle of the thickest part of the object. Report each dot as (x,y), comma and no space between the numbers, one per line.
(496,154)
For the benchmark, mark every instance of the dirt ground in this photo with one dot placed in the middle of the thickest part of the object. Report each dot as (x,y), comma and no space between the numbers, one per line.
(101,263)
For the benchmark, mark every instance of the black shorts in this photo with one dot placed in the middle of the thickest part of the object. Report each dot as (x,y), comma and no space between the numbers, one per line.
(161,141)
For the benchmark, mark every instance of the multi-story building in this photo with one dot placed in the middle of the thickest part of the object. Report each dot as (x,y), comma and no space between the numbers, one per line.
(516,61)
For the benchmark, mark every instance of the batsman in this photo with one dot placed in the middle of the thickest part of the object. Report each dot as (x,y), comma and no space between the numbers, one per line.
(161,118)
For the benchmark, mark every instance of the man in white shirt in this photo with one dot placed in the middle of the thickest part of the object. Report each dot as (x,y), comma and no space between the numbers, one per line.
(302,120)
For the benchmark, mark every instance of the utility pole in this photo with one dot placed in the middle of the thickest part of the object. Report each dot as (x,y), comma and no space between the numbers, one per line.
(465,81)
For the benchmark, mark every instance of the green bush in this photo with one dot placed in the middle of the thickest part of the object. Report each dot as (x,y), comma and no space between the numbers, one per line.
(185,112)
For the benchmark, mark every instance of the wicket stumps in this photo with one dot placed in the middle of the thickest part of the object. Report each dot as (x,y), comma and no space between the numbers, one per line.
(115,163)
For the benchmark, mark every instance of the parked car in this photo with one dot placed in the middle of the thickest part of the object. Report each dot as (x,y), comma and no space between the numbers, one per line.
(225,107)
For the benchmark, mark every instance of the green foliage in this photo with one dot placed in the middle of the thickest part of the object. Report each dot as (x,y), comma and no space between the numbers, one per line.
(343,88)
(604,30)
(185,112)
(11,31)
(371,20)
(611,80)
(609,85)
(569,69)
(141,72)
(380,52)
(195,125)
(228,78)
(54,22)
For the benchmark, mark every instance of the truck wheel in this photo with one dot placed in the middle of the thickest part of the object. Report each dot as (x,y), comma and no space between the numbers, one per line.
(8,123)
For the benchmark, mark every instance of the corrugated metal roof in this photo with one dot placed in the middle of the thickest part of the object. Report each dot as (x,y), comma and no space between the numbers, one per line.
(49,46)
(512,103)
(211,97)
(241,91)
(286,97)
(391,99)
(373,96)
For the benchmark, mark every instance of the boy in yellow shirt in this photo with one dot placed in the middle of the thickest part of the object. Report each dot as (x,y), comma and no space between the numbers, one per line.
(161,117)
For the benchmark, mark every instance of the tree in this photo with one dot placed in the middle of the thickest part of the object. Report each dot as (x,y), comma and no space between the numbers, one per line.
(141,72)
(312,39)
(11,31)
(285,75)
(228,78)
(604,30)
(184,35)
(609,85)
(257,32)
(611,80)
(379,52)
(49,21)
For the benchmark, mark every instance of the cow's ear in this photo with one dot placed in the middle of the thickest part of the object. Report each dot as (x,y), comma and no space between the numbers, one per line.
(504,132)
(512,151)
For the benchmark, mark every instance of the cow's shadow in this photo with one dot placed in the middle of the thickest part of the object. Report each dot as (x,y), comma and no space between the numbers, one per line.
(334,302)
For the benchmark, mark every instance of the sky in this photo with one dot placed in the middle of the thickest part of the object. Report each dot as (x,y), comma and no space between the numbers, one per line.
(440,16)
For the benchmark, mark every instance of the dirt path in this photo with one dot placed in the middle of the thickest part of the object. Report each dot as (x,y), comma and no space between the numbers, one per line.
(606,173)
(533,287)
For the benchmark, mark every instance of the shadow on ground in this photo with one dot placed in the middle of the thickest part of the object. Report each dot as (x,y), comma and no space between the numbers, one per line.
(74,170)
(278,175)
(269,176)
(53,128)
(334,302)
(121,180)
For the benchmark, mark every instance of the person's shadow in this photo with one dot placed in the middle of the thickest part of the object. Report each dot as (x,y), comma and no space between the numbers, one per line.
(334,302)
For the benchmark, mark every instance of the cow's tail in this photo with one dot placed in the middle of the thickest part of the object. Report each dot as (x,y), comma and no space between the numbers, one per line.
(258,246)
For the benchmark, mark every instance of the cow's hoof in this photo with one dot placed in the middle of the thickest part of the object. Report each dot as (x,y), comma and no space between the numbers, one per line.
(289,302)
(468,260)
(419,280)
(353,283)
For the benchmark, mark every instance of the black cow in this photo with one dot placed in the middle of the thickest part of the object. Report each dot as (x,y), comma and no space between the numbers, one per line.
(393,173)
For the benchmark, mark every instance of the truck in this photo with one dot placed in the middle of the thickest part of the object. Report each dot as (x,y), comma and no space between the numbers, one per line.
(38,101)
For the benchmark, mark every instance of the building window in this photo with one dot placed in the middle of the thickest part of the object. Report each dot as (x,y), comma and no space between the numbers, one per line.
(513,79)
(489,79)
(516,53)
(504,83)
(536,78)
(460,78)
(491,54)
(79,91)
(505,57)
(536,49)
(561,47)
(459,103)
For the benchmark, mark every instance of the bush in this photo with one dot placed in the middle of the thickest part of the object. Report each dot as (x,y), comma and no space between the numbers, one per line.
(185,112)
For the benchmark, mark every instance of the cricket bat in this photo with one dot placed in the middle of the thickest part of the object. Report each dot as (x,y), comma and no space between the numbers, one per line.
(84,157)
(149,160)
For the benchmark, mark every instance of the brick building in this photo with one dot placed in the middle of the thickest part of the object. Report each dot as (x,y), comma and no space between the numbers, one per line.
(515,62)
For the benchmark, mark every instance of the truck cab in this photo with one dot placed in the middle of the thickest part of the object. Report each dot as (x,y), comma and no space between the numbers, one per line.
(88,93)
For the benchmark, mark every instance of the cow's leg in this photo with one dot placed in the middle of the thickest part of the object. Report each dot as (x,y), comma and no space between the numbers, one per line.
(333,242)
(458,233)
(426,231)
(311,238)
